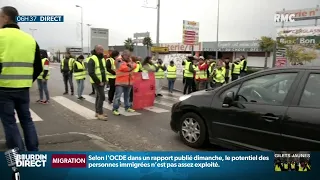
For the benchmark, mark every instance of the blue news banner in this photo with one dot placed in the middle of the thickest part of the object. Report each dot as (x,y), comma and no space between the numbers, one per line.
(40,18)
(150,165)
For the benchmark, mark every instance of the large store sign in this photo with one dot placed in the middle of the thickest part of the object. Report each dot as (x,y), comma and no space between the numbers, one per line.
(308,40)
(232,46)
(299,31)
(301,14)
(176,47)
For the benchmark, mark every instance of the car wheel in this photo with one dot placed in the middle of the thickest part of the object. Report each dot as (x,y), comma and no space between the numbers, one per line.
(192,130)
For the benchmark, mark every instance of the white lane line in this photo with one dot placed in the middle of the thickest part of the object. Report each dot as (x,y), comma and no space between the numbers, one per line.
(34,116)
(109,107)
(75,107)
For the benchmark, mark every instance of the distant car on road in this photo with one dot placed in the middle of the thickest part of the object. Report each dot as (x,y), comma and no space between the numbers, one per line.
(274,109)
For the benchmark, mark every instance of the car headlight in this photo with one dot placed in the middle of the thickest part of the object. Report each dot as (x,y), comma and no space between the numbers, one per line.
(184,97)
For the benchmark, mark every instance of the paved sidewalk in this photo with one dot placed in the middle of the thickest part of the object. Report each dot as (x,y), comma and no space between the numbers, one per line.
(72,141)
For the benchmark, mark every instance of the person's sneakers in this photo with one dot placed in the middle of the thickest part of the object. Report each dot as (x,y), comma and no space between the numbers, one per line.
(105,115)
(92,94)
(101,117)
(39,101)
(46,102)
(159,95)
(82,98)
(65,93)
(72,94)
(130,110)
(116,112)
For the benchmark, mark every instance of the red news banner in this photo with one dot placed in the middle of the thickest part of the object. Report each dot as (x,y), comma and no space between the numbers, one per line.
(69,161)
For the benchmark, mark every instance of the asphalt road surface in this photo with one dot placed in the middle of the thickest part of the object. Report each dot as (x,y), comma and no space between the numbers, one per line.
(145,130)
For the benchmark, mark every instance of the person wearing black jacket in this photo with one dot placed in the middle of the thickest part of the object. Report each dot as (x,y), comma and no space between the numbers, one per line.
(189,85)
(99,84)
(93,91)
(17,97)
(111,73)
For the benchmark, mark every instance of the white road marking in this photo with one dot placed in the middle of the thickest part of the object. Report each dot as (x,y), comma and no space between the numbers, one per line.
(109,107)
(34,116)
(75,107)
(153,108)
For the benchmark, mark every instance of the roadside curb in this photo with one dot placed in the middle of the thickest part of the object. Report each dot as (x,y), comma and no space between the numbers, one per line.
(73,137)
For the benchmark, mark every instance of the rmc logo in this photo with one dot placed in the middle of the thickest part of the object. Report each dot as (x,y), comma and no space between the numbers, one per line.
(284,17)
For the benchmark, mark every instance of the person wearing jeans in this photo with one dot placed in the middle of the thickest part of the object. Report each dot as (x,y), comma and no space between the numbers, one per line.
(79,73)
(66,70)
(124,81)
(42,80)
(171,76)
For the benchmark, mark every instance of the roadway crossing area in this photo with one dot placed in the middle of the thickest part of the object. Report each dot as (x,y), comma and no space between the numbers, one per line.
(85,108)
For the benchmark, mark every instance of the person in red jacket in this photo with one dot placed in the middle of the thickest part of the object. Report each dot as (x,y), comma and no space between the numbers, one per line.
(201,74)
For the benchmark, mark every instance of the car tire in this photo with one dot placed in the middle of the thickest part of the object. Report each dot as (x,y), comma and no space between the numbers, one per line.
(202,140)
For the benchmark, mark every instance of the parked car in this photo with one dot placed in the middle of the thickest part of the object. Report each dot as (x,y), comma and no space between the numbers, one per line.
(273,109)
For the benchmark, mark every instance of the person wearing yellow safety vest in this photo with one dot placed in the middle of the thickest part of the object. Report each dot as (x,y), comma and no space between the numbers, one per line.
(20,66)
(278,166)
(66,70)
(303,166)
(148,66)
(111,74)
(98,78)
(189,72)
(138,62)
(292,166)
(201,74)
(244,66)
(184,62)
(171,76)
(43,78)
(235,70)
(285,166)
(159,75)
(79,73)
(219,75)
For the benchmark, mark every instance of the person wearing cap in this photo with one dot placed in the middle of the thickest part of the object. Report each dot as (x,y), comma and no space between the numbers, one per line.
(79,73)
(201,74)
(171,76)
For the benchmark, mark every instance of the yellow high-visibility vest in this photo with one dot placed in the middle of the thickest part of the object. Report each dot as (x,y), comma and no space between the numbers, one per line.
(302,168)
(113,67)
(70,63)
(151,67)
(17,53)
(172,72)
(139,66)
(285,166)
(82,74)
(236,69)
(219,77)
(277,168)
(293,165)
(48,75)
(242,64)
(211,67)
(187,73)
(97,67)
(160,73)
(202,74)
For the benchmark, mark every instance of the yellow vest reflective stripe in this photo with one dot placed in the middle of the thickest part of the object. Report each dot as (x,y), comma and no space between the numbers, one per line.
(187,73)
(82,74)
(277,168)
(171,72)
(286,166)
(220,76)
(17,50)
(48,75)
(160,73)
(236,69)
(242,64)
(70,63)
(97,70)
(113,67)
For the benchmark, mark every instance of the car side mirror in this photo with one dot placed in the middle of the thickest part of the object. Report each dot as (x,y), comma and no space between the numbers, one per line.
(228,100)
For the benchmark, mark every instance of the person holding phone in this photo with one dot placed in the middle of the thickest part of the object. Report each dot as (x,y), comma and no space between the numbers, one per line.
(97,73)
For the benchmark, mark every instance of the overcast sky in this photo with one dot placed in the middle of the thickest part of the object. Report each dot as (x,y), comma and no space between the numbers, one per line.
(239,19)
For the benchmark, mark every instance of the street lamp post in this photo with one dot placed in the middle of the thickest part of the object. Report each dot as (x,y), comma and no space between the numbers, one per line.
(89,37)
(218,14)
(32,31)
(81,26)
(158,24)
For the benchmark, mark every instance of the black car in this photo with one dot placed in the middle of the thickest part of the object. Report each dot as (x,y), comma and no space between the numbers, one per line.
(274,109)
